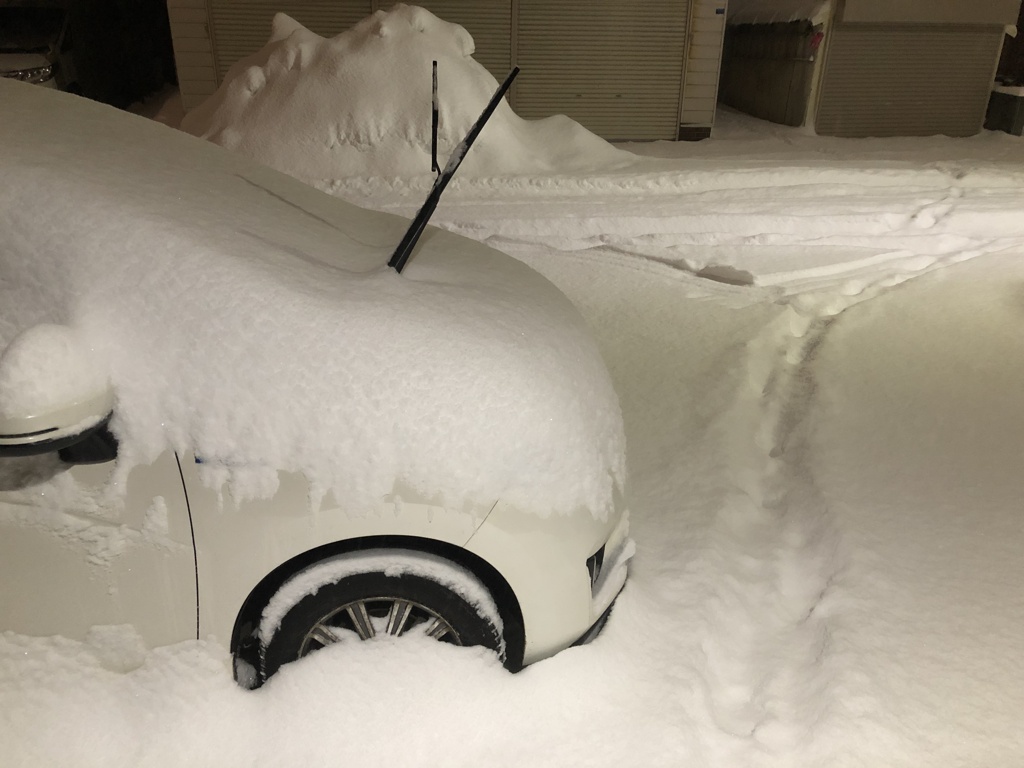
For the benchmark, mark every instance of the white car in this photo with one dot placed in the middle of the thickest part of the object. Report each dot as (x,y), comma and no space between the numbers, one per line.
(223,416)
(32,44)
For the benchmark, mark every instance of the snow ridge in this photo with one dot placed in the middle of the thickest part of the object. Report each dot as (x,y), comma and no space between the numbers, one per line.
(774,538)
(778,549)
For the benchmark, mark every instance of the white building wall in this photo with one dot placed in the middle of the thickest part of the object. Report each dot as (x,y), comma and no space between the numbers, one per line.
(193,50)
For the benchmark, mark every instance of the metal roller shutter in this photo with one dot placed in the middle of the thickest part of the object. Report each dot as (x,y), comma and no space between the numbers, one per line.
(613,67)
(907,80)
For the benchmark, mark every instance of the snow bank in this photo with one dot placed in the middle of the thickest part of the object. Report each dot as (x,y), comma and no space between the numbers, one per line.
(358,104)
(252,320)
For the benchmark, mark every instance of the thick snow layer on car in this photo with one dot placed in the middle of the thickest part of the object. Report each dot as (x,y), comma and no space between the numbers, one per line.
(825,493)
(253,320)
(46,367)
(358,104)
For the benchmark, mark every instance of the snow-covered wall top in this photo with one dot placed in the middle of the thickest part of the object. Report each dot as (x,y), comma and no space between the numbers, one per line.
(771,11)
(358,104)
(251,319)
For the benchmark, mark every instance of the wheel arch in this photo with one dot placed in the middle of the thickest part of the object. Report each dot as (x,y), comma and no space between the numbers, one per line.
(245,646)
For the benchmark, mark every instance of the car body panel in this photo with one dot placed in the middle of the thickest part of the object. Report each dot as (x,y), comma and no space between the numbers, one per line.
(546,565)
(239,542)
(180,380)
(30,67)
(76,552)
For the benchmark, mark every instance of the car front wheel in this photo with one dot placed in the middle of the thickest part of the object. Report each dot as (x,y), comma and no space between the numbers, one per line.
(362,596)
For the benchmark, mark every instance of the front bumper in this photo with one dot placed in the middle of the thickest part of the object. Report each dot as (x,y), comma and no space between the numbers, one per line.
(611,579)
(619,550)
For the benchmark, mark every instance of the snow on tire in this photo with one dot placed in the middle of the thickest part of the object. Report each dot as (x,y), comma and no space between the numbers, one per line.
(362,595)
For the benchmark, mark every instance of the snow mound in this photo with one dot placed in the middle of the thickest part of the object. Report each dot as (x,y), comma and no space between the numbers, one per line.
(358,104)
(252,320)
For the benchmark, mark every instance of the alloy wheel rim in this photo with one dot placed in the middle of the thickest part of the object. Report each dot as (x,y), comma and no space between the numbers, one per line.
(371,617)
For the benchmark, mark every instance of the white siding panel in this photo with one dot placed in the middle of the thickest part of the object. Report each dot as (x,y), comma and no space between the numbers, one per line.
(699,92)
(190,30)
(192,45)
(710,52)
(709,64)
(701,78)
(187,15)
(700,117)
(708,40)
(703,61)
(706,10)
(194,59)
(709,24)
(197,74)
(698,105)
(193,50)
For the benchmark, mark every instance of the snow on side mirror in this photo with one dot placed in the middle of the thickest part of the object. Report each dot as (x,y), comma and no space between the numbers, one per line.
(54,396)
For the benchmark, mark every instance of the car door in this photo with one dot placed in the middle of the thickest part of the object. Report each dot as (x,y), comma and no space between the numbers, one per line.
(82,546)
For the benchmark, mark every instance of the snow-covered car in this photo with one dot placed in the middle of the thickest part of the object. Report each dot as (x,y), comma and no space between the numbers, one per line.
(222,415)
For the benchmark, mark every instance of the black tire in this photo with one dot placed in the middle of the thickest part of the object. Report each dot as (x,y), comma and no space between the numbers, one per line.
(333,614)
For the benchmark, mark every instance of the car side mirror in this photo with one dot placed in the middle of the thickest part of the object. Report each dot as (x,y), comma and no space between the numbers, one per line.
(55,396)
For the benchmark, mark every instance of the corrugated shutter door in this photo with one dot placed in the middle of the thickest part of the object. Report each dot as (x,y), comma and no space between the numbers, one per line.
(242,27)
(612,66)
(490,24)
(906,80)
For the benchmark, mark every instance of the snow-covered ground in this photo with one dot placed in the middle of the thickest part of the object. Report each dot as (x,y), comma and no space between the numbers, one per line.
(818,348)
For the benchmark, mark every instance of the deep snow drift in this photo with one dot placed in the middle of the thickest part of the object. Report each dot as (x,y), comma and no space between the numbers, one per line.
(359,104)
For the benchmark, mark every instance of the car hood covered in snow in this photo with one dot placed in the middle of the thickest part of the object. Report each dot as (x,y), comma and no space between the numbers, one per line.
(253,320)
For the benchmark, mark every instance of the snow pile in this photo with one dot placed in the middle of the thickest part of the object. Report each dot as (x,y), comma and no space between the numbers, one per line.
(358,104)
(252,320)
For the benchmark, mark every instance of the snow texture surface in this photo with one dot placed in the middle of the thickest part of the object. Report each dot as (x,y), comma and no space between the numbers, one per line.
(45,368)
(246,318)
(817,347)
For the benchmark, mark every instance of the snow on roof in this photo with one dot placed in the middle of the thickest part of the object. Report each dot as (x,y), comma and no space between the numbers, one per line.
(770,11)
(358,104)
(252,319)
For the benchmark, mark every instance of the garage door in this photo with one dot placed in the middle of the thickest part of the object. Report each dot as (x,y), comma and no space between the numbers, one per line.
(614,67)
